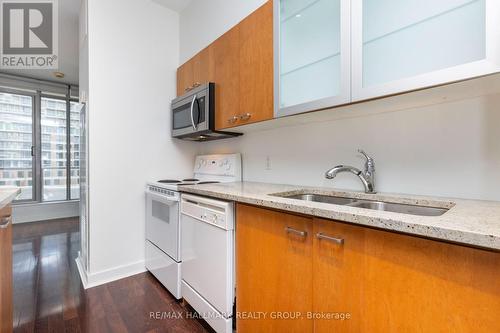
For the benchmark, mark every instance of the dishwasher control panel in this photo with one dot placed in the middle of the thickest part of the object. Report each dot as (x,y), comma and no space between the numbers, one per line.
(216,212)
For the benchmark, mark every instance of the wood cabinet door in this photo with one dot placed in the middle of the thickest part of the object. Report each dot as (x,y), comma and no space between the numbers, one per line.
(198,70)
(256,65)
(414,284)
(227,79)
(203,66)
(338,270)
(185,77)
(6,306)
(273,271)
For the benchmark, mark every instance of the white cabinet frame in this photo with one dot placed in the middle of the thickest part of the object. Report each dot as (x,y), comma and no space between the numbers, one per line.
(490,64)
(345,66)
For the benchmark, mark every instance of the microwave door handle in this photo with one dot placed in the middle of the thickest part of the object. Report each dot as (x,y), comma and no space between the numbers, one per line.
(192,110)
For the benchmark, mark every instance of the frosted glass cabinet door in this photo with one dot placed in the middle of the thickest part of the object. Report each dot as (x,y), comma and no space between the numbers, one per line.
(312,54)
(402,45)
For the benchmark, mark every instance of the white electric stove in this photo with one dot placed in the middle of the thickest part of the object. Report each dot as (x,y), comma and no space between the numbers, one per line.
(163,230)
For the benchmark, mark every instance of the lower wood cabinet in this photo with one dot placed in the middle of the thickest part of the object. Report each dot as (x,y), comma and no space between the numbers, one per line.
(6,306)
(347,278)
(412,284)
(273,271)
(338,264)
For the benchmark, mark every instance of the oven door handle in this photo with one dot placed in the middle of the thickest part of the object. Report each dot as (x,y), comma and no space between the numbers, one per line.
(161,198)
(192,110)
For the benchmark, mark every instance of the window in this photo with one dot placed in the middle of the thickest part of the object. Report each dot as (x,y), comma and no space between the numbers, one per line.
(16,141)
(39,145)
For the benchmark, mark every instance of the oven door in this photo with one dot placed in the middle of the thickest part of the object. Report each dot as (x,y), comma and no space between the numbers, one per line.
(162,223)
(190,113)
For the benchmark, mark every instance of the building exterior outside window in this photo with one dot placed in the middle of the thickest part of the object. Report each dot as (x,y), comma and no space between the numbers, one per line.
(58,154)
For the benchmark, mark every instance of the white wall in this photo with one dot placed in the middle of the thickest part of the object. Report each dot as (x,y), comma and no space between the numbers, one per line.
(133,55)
(202,22)
(450,149)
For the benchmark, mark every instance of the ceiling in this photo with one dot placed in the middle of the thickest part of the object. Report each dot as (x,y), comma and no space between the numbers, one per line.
(176,5)
(68,47)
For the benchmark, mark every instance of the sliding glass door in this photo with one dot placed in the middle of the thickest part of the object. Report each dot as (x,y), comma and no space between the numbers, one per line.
(40,145)
(16,143)
(54,149)
(74,149)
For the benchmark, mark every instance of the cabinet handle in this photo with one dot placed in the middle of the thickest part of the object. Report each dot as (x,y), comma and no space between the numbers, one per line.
(296,232)
(232,120)
(339,241)
(245,116)
(5,221)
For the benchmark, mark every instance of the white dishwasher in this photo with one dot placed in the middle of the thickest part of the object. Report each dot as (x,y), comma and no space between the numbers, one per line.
(207,247)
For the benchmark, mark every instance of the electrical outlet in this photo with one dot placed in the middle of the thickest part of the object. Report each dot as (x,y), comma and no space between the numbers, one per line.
(268,163)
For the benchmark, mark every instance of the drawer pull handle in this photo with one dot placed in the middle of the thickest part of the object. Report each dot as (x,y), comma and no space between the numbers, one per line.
(232,120)
(5,221)
(296,232)
(339,241)
(246,116)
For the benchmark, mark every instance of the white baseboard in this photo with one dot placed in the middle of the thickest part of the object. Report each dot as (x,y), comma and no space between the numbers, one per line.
(116,273)
(82,272)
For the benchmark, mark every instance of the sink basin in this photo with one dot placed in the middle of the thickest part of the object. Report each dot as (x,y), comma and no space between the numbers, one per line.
(370,204)
(322,198)
(399,208)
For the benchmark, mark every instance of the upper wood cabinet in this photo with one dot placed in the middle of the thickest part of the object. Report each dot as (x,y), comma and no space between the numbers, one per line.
(185,77)
(240,63)
(256,66)
(399,46)
(312,67)
(273,270)
(198,70)
(227,79)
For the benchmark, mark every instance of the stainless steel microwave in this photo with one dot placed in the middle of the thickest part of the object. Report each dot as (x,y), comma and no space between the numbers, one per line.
(193,115)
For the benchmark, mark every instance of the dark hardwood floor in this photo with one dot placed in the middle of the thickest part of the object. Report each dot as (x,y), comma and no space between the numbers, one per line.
(49,297)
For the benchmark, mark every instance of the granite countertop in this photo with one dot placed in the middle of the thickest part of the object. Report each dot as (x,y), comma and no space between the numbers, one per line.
(7,194)
(469,222)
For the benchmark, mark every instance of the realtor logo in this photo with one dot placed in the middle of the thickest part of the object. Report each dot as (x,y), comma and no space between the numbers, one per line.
(28,33)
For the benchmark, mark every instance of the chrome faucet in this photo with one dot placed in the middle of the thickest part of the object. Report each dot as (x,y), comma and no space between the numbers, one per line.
(367,176)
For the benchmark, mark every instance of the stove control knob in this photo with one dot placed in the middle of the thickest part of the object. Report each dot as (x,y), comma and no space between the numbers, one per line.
(215,219)
(228,166)
(204,162)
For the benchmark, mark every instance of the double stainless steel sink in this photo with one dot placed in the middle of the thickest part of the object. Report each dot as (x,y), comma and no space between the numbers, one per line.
(370,204)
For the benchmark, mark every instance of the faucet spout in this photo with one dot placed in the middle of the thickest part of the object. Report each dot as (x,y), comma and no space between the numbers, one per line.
(332,173)
(367,176)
